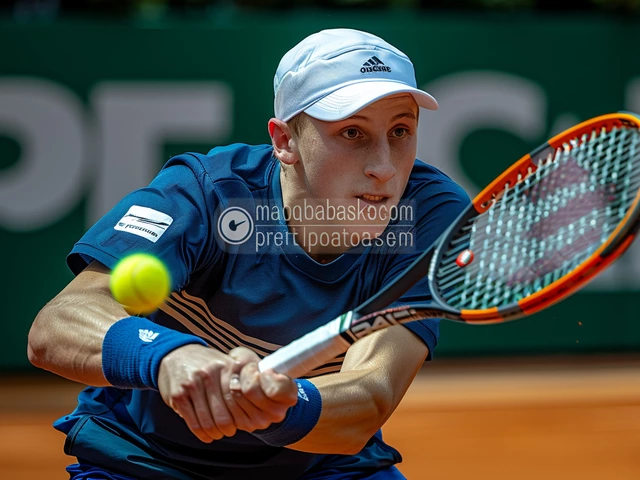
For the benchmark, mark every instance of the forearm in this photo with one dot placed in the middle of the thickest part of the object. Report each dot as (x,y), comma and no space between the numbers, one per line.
(354,407)
(66,336)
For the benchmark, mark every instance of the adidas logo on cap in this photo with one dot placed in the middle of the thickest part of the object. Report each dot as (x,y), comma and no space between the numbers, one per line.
(374,64)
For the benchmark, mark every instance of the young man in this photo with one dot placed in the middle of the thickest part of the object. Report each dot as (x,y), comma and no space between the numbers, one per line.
(179,395)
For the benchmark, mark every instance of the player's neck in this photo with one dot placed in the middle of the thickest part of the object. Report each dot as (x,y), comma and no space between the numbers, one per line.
(319,239)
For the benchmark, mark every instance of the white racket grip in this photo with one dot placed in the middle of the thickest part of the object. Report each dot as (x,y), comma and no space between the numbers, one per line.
(308,352)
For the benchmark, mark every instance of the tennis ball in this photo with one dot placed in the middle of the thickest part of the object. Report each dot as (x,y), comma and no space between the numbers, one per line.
(140,283)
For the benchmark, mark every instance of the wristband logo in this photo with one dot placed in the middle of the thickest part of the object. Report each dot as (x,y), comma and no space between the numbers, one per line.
(146,335)
(301,393)
(235,225)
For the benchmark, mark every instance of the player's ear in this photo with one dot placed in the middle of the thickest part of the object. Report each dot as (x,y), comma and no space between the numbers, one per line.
(284,144)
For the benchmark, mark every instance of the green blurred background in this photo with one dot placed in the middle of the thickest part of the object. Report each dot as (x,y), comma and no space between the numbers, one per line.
(96,95)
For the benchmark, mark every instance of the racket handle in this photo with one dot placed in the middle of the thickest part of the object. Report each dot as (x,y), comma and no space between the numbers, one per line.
(308,352)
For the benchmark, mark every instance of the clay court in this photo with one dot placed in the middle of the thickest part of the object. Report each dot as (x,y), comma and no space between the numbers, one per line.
(560,418)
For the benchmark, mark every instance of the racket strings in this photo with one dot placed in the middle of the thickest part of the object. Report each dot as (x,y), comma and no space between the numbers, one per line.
(547,224)
(559,238)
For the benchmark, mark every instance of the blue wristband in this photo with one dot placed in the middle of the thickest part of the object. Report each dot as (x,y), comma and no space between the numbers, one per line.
(300,419)
(133,348)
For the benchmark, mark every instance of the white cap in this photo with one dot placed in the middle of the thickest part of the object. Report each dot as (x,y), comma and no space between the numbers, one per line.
(333,74)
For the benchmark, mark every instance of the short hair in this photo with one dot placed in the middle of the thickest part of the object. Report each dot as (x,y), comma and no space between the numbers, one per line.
(295,124)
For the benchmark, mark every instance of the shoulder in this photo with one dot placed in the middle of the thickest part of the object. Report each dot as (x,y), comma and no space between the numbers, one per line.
(235,170)
(431,201)
(248,164)
(428,184)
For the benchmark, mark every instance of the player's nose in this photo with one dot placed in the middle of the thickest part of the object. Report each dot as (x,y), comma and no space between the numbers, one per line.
(379,165)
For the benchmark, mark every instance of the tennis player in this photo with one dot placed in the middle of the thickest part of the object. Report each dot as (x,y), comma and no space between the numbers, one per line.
(264,243)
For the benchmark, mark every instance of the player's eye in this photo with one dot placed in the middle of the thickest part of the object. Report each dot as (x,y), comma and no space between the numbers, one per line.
(399,132)
(351,133)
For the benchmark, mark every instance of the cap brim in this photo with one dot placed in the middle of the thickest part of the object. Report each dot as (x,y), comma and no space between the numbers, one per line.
(348,100)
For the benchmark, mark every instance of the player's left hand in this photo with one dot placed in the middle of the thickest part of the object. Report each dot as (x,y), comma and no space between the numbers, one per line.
(255,399)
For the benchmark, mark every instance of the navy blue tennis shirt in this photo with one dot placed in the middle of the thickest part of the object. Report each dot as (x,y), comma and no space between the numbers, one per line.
(234,288)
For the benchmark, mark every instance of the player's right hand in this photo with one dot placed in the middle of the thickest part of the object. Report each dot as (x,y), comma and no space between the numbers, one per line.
(257,399)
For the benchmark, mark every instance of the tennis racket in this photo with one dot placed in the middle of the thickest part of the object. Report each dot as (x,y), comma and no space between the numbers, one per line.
(540,231)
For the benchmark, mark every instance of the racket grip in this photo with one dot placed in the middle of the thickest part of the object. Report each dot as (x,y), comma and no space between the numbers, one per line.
(308,352)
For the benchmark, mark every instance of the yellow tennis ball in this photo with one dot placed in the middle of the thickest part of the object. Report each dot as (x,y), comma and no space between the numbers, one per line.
(140,283)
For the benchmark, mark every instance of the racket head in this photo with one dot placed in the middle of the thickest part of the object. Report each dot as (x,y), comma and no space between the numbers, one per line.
(545,227)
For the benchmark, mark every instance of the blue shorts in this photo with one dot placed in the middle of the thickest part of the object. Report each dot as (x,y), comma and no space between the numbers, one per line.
(90,472)
(84,471)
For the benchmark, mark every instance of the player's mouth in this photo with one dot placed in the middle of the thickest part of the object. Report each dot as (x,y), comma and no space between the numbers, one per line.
(373,199)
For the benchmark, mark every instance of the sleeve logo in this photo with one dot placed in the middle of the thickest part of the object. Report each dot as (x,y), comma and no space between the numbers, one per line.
(144,222)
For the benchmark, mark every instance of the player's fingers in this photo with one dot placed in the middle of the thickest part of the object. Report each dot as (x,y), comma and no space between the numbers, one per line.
(243,356)
(252,417)
(219,418)
(201,399)
(182,404)
(279,388)
(250,414)
(234,400)
(250,381)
